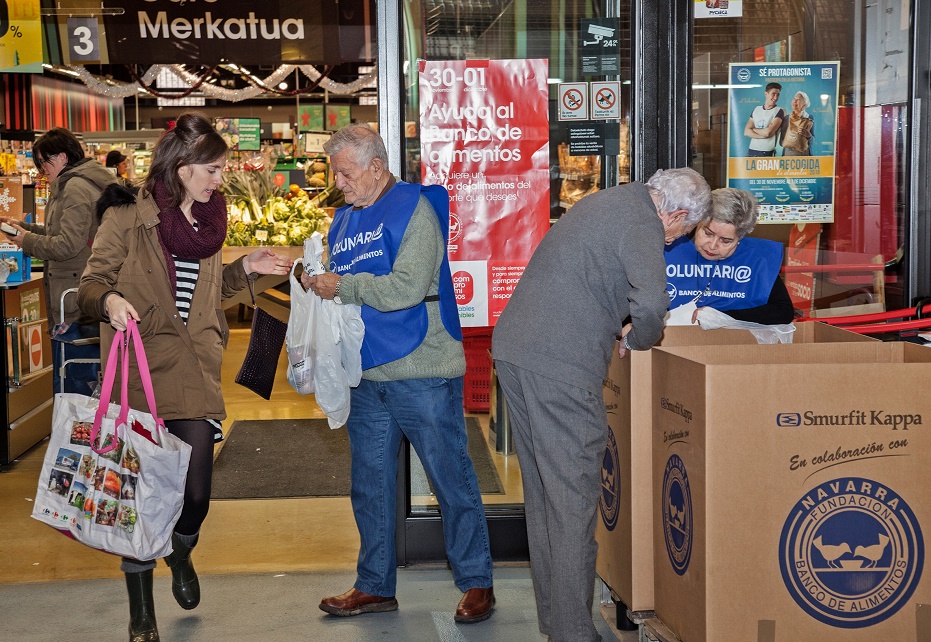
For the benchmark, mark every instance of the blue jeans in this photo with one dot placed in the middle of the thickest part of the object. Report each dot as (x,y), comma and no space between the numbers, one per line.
(429,413)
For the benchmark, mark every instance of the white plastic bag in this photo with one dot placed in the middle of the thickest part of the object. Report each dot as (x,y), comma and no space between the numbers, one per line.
(681,315)
(313,254)
(711,319)
(324,342)
(331,384)
(351,333)
(299,338)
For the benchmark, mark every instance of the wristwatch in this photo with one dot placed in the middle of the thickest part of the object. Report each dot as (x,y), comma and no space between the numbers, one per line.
(626,343)
(336,298)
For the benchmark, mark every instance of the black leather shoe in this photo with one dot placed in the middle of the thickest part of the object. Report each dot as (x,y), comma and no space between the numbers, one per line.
(354,602)
(476,605)
(142,626)
(184,583)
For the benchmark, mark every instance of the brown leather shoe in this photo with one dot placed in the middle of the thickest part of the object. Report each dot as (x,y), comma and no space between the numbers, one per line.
(354,602)
(476,605)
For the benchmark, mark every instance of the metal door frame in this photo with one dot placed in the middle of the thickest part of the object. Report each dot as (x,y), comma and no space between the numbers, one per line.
(660,138)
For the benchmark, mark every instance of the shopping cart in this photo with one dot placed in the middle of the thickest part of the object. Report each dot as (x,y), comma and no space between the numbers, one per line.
(64,343)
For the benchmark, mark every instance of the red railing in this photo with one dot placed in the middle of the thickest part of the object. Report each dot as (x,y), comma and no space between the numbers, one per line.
(881,322)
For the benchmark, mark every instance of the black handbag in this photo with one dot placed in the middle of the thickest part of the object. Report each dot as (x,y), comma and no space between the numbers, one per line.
(265,342)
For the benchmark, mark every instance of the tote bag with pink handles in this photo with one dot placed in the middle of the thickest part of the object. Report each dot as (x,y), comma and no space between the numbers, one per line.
(113,476)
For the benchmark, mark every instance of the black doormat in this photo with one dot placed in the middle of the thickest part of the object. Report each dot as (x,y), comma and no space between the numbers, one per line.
(488,481)
(279,458)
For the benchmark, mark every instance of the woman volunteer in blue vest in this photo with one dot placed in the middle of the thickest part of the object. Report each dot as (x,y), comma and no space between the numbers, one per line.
(720,268)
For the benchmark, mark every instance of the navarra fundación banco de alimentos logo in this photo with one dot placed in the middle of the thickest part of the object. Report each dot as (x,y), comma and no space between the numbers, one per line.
(610,502)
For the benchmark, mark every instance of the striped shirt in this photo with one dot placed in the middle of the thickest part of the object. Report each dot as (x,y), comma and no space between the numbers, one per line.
(186,271)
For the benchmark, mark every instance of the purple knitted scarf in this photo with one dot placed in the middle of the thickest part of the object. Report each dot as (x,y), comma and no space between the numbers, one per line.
(179,238)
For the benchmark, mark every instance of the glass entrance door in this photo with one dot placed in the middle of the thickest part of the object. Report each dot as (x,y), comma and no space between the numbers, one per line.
(440,33)
(843,72)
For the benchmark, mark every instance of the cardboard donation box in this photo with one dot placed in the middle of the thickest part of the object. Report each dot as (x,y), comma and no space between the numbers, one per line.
(792,491)
(624,528)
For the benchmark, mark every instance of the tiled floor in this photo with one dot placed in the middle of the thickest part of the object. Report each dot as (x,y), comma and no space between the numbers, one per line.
(265,563)
(273,607)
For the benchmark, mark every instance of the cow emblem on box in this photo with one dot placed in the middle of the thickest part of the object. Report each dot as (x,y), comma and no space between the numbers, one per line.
(610,501)
(851,552)
(677,514)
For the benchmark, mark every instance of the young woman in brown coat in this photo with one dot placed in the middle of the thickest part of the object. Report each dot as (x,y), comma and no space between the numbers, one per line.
(146,251)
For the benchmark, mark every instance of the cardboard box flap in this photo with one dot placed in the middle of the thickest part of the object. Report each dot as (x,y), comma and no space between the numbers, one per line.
(807,332)
(817,332)
(809,353)
(693,335)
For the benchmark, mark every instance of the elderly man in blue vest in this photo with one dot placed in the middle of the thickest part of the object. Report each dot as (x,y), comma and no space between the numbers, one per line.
(388,254)
(598,265)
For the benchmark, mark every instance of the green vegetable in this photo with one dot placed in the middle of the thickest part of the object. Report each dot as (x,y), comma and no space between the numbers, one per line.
(256,203)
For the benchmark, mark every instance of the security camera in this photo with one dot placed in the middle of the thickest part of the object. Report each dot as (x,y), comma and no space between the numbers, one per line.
(600,34)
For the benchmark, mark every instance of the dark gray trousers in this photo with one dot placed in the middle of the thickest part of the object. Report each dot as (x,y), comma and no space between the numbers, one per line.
(560,433)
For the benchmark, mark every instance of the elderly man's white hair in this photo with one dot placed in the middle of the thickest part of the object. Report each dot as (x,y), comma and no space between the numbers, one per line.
(366,143)
(681,188)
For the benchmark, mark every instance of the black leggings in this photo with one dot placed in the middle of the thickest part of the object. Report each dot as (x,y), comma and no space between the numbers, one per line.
(199,434)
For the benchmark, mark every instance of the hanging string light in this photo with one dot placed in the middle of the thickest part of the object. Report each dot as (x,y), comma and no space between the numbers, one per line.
(364,82)
(235,95)
(282,89)
(114,89)
(108,87)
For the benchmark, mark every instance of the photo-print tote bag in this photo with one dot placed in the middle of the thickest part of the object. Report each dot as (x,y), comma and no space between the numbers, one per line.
(113,476)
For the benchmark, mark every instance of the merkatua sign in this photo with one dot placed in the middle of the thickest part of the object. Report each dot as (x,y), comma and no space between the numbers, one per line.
(209,32)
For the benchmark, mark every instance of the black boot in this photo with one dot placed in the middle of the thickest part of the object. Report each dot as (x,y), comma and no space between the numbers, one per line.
(184,584)
(141,607)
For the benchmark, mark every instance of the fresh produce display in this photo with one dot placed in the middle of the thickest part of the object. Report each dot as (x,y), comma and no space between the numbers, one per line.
(317,172)
(261,213)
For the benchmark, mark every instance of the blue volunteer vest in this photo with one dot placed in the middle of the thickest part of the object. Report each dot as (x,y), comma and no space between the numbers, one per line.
(743,280)
(368,241)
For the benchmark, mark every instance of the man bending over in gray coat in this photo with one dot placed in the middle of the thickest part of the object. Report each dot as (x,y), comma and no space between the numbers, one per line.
(602,262)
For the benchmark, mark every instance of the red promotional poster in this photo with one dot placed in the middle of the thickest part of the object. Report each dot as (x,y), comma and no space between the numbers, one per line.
(484,135)
(802,251)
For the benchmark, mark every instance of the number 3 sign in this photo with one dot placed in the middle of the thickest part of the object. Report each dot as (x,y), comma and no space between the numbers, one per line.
(83,41)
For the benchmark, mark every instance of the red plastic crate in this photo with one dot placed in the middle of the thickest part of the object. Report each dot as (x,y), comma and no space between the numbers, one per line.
(476,395)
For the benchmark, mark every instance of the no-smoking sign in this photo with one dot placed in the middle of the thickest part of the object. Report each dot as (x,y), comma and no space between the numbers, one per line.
(573,101)
(606,103)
